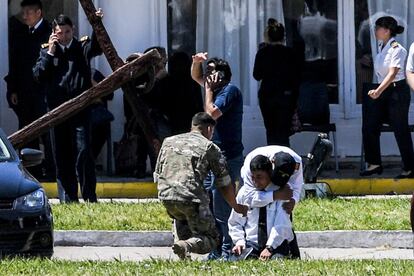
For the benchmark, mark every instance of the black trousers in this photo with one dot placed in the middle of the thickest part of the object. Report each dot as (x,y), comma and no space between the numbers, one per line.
(277,110)
(74,159)
(391,107)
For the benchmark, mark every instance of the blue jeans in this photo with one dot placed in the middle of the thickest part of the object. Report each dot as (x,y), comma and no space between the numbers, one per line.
(221,209)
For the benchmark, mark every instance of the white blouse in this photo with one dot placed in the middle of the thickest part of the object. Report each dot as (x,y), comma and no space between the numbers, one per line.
(392,55)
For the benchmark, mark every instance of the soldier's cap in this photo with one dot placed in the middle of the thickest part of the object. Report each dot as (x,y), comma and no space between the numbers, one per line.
(285,166)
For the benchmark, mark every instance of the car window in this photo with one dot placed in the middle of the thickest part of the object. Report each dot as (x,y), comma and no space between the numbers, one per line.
(4,152)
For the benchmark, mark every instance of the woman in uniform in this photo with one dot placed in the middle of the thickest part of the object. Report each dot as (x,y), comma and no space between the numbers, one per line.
(278,69)
(389,101)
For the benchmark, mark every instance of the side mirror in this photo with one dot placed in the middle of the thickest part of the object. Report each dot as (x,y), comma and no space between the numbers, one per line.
(31,157)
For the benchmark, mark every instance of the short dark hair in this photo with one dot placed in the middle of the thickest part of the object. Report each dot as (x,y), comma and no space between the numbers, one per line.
(202,119)
(37,3)
(62,20)
(275,31)
(261,163)
(222,66)
(160,50)
(388,22)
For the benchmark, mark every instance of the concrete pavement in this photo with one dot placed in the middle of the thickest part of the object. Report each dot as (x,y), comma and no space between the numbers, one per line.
(146,253)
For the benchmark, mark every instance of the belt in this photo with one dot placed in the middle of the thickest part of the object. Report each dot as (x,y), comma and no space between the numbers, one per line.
(399,83)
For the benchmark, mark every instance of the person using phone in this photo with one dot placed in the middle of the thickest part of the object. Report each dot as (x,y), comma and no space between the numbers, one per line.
(223,102)
(63,68)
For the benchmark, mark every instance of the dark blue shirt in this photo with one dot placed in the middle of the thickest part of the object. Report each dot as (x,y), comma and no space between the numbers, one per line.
(228,131)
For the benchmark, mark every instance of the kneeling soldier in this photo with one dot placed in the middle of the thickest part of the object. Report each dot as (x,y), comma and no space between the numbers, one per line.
(182,166)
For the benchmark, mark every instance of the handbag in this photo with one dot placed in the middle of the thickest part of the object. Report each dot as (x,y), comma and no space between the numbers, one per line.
(125,151)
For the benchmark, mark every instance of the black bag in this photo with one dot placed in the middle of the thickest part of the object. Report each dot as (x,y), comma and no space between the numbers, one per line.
(125,151)
(320,152)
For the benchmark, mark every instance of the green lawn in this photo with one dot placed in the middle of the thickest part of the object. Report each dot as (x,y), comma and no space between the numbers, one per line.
(156,267)
(310,214)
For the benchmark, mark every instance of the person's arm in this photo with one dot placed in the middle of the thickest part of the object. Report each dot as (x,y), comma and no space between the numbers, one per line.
(222,178)
(397,63)
(91,47)
(210,108)
(43,66)
(258,66)
(236,225)
(410,67)
(197,68)
(281,229)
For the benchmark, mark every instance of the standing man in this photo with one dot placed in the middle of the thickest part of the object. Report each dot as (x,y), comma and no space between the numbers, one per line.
(224,103)
(63,68)
(25,96)
(182,165)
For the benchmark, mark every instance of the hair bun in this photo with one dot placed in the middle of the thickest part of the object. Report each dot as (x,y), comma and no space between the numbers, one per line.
(399,29)
(272,22)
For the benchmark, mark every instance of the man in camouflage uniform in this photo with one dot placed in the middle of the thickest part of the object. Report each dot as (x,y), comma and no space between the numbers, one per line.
(183,164)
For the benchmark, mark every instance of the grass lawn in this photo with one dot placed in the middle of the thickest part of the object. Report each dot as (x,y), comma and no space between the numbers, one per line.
(155,267)
(310,214)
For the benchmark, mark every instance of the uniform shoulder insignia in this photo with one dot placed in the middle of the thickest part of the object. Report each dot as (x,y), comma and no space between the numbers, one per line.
(84,39)
(394,44)
(45,45)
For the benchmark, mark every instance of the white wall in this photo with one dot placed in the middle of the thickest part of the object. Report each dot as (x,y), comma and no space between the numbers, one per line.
(8,120)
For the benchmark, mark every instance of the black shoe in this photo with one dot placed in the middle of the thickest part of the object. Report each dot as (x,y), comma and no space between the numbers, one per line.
(377,170)
(404,175)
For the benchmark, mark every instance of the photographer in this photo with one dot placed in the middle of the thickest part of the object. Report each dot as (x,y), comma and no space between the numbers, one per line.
(223,102)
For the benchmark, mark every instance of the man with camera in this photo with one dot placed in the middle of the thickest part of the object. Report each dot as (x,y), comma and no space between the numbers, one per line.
(223,102)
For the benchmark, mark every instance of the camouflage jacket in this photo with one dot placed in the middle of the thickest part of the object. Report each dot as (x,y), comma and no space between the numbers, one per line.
(183,164)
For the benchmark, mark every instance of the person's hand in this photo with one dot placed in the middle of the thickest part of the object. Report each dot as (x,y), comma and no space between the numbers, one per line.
(241,209)
(14,99)
(237,250)
(53,41)
(374,94)
(99,13)
(289,206)
(200,57)
(265,255)
(285,193)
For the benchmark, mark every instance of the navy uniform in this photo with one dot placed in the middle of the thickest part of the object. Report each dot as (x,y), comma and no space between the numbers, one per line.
(24,45)
(65,75)
(391,107)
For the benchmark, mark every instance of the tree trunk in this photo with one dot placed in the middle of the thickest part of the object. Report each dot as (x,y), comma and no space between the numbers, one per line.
(72,107)
(138,107)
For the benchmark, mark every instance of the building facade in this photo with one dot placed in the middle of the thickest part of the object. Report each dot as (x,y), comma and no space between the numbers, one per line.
(336,35)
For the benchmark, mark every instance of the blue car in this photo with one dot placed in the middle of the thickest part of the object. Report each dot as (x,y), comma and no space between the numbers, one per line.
(26,221)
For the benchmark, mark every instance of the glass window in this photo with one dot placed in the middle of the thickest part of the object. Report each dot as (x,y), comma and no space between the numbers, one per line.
(366,13)
(182,21)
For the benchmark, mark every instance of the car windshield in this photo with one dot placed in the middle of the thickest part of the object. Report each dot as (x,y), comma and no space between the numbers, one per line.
(4,152)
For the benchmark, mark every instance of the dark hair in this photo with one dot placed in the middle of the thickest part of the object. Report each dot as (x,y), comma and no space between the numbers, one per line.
(62,20)
(160,50)
(391,24)
(36,3)
(261,163)
(275,31)
(202,119)
(222,66)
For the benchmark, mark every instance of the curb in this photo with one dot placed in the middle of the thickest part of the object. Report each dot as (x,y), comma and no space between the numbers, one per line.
(307,239)
(346,186)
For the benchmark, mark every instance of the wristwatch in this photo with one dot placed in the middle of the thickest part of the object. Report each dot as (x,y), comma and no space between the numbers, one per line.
(270,248)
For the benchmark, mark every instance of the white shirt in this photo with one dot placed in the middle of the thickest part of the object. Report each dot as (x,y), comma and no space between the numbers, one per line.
(37,25)
(261,198)
(410,60)
(242,229)
(389,57)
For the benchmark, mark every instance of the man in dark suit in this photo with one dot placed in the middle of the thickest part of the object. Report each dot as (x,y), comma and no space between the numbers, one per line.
(25,96)
(64,69)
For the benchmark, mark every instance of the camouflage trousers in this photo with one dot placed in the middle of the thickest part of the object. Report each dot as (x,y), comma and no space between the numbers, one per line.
(195,224)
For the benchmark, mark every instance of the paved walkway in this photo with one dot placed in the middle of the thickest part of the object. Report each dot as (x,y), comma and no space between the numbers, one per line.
(145,253)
